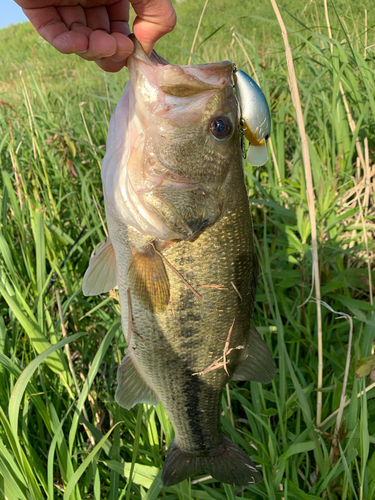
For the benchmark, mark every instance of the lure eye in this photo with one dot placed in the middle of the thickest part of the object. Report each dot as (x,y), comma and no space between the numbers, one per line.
(220,127)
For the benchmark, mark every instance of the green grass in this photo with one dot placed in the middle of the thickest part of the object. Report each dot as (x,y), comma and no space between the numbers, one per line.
(59,440)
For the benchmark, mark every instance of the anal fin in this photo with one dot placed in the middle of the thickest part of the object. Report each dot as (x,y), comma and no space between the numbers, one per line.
(256,362)
(132,388)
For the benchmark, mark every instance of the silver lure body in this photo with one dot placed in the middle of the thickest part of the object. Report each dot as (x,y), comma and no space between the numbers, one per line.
(255,116)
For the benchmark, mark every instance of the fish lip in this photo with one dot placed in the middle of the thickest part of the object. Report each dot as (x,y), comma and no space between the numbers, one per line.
(152,60)
(201,73)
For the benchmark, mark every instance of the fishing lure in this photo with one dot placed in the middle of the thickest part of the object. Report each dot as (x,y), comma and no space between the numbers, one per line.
(255,116)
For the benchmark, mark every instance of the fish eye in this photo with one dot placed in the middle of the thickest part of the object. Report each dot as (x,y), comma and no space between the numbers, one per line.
(266,137)
(221,127)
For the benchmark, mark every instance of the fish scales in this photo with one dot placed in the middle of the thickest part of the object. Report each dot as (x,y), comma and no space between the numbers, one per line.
(178,343)
(181,250)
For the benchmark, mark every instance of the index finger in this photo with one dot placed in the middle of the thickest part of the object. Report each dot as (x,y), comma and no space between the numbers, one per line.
(52,28)
(155,18)
(41,4)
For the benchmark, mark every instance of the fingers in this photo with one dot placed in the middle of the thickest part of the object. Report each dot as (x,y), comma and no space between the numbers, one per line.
(155,18)
(42,4)
(93,33)
(94,24)
(118,14)
(117,60)
(97,19)
(96,29)
(109,50)
(52,28)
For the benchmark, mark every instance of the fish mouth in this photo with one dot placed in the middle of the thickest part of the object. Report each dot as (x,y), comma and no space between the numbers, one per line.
(176,80)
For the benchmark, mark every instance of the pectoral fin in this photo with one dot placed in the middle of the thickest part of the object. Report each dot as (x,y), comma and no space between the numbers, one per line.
(100,276)
(256,362)
(132,388)
(149,279)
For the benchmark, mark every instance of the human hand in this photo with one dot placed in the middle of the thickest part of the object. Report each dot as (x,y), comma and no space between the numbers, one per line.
(97,29)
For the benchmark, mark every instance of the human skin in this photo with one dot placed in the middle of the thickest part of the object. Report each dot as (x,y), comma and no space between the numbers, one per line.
(97,30)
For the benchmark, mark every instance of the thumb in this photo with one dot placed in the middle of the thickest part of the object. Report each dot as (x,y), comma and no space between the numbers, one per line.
(155,18)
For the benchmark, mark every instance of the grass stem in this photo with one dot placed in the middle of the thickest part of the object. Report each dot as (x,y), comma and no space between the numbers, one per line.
(197,30)
(310,200)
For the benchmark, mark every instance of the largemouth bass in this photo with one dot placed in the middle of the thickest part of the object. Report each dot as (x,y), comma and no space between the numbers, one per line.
(181,250)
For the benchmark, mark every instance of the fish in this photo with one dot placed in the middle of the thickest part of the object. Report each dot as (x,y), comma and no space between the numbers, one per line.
(181,251)
(255,117)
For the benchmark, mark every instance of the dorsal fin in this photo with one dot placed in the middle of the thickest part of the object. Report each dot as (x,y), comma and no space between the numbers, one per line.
(100,276)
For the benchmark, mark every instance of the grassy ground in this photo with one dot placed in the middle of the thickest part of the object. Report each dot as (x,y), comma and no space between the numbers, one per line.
(59,437)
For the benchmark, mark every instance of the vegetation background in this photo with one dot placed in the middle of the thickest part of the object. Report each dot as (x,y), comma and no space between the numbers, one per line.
(62,434)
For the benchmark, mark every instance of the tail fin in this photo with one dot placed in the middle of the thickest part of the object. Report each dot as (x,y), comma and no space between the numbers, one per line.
(227,463)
